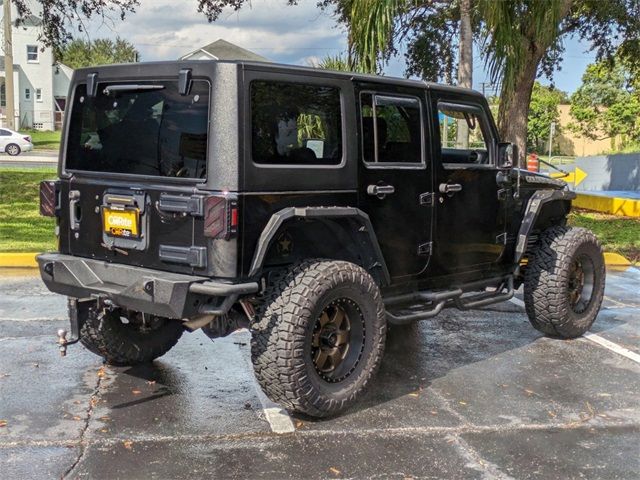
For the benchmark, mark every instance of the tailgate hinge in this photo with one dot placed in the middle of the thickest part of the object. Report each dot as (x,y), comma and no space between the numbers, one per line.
(503,194)
(425,248)
(192,205)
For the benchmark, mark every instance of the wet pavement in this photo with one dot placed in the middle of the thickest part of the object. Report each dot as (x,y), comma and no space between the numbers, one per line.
(465,395)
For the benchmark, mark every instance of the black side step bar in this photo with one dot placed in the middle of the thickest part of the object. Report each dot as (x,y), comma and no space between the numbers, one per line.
(438,300)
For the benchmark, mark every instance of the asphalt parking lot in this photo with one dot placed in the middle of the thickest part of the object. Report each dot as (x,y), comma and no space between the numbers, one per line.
(466,395)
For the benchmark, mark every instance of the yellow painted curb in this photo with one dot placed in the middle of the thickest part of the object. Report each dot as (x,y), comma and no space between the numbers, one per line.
(627,207)
(616,260)
(23,260)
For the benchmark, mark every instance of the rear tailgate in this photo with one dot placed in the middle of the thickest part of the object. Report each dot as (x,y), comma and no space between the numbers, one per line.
(135,159)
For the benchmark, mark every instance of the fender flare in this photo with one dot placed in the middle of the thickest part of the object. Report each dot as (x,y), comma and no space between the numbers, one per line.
(279,218)
(534,207)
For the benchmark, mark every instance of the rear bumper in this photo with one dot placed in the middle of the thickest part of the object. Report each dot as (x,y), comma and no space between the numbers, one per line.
(151,291)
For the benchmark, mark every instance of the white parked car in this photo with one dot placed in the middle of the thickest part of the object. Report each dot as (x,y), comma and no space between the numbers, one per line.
(14,143)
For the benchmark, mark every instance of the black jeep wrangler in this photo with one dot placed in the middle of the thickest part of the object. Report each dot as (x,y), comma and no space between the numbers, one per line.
(312,207)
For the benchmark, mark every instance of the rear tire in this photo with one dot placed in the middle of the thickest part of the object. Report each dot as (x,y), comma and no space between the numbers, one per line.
(13,149)
(320,336)
(564,282)
(125,344)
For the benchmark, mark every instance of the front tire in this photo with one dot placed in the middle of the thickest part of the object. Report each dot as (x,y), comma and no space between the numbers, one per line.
(13,149)
(126,338)
(564,282)
(320,336)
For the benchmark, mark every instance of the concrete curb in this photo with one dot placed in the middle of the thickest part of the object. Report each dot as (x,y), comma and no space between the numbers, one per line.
(28,260)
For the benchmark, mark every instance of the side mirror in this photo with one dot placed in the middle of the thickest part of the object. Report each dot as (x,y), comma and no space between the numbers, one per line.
(507,155)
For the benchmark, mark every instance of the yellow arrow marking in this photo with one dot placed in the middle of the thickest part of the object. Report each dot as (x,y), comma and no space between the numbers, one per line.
(576,177)
(580,175)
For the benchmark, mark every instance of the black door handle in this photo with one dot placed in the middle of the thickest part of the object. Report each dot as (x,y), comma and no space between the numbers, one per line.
(380,191)
(450,188)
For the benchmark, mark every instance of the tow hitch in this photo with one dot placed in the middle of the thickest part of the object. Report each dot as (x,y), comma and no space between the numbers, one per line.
(77,315)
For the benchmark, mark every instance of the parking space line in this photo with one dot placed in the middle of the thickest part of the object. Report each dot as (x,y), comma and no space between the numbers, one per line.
(614,347)
(278,418)
(594,337)
(517,301)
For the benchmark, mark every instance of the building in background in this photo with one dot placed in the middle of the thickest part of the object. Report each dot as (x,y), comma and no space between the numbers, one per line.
(40,84)
(223,50)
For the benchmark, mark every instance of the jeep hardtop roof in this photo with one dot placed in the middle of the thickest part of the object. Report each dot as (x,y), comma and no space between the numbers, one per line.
(284,68)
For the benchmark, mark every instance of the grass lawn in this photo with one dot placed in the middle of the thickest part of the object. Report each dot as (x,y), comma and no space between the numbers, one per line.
(44,140)
(617,234)
(22,229)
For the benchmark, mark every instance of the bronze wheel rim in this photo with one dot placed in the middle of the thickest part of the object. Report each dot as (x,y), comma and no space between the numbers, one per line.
(337,341)
(581,283)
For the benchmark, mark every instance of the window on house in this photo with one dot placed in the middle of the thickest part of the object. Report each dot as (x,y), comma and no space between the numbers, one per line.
(3,95)
(295,123)
(27,94)
(38,94)
(32,53)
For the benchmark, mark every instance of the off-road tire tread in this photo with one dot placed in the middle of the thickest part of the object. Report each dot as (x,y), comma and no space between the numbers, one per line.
(546,276)
(101,336)
(279,365)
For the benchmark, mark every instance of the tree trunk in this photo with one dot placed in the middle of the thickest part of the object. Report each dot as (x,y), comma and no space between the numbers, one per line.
(514,108)
(465,66)
(514,104)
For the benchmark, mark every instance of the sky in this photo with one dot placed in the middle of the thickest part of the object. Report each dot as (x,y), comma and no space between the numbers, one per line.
(285,34)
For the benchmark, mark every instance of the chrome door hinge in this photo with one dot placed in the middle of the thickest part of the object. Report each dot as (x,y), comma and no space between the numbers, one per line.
(501,239)
(425,248)
(427,199)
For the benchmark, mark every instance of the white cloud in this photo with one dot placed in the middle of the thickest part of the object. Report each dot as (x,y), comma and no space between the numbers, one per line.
(288,34)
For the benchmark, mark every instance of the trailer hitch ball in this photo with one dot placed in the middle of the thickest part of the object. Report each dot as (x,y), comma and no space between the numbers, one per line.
(62,341)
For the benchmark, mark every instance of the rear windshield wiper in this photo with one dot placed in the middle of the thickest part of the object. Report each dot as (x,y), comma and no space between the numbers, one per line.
(130,88)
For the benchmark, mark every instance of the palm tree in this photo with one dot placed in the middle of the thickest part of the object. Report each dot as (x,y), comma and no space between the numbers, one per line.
(517,36)
(374,26)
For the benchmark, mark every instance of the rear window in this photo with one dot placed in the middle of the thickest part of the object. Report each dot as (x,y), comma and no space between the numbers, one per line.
(140,129)
(294,123)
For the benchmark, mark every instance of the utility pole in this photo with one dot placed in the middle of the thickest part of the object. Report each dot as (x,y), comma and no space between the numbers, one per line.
(8,66)
(551,132)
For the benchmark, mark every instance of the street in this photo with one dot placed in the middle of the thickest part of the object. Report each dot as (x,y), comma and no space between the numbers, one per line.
(35,159)
(465,395)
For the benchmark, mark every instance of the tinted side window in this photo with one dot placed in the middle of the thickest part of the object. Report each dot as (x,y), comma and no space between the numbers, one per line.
(463,135)
(294,123)
(391,129)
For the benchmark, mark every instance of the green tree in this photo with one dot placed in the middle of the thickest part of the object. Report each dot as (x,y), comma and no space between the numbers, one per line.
(103,51)
(607,104)
(543,110)
(521,40)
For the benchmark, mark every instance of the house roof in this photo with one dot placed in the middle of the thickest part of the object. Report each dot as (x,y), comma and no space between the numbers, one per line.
(28,21)
(223,50)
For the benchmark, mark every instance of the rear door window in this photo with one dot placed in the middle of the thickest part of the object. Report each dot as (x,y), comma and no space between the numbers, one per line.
(392,131)
(140,129)
(295,124)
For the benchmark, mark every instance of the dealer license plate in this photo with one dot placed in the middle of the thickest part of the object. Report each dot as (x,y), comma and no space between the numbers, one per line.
(121,223)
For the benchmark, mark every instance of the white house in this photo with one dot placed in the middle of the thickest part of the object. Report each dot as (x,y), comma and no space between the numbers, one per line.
(40,85)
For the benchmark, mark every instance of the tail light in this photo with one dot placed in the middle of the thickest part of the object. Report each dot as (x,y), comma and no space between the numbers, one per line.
(28,139)
(221,216)
(49,198)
